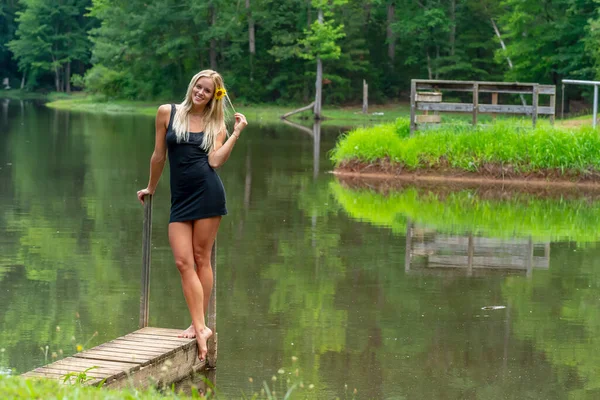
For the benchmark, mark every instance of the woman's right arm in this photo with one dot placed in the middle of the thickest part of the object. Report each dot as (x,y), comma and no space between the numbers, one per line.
(159,155)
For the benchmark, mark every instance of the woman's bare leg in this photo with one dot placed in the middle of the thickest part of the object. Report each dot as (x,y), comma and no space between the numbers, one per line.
(204,234)
(180,238)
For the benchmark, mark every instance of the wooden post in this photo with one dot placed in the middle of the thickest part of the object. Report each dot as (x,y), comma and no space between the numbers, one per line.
(553,106)
(413,96)
(211,320)
(529,258)
(365,106)
(475,102)
(146,261)
(408,245)
(470,253)
(494,102)
(534,111)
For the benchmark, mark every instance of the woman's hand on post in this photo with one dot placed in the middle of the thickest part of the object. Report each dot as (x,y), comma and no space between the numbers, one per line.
(240,123)
(142,193)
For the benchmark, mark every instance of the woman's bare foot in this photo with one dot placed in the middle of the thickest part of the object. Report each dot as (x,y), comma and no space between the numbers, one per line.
(188,333)
(201,339)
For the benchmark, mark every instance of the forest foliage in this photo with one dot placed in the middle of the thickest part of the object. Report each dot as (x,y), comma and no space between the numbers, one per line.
(267,49)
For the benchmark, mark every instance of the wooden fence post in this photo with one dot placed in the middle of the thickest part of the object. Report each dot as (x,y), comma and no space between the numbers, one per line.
(408,246)
(534,111)
(146,262)
(475,102)
(211,320)
(494,102)
(365,105)
(413,96)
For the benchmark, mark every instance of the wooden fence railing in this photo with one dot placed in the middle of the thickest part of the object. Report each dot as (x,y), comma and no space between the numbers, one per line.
(426,95)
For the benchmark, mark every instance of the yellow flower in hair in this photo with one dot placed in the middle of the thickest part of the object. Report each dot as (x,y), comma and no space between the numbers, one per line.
(220,93)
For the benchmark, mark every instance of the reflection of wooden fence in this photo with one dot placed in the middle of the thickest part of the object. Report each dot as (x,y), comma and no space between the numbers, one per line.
(426,95)
(474,253)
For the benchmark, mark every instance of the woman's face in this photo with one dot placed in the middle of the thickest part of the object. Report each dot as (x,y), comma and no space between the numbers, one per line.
(203,91)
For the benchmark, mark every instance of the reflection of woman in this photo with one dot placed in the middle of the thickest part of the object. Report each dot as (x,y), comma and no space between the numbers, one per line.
(195,135)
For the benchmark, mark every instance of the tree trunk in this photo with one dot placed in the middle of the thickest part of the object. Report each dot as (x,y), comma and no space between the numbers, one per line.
(213,41)
(23,80)
(429,71)
(452,27)
(319,81)
(510,64)
(437,62)
(391,39)
(251,39)
(68,77)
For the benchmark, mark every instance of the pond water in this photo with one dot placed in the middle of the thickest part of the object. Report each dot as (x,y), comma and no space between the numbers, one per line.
(356,291)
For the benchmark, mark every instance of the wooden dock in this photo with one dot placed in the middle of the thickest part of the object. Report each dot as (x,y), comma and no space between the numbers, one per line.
(146,357)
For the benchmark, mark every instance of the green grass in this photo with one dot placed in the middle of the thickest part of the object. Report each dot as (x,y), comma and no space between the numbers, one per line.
(16,94)
(521,215)
(338,116)
(507,143)
(19,388)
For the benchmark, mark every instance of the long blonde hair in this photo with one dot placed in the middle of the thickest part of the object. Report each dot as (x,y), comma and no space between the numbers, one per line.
(213,115)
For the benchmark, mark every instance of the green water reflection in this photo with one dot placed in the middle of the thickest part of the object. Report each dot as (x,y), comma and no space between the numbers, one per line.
(307,268)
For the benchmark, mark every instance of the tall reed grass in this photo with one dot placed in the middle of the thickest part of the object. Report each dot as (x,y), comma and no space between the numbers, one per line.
(508,143)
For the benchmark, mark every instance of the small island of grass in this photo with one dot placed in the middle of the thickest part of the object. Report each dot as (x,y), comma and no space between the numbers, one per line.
(505,150)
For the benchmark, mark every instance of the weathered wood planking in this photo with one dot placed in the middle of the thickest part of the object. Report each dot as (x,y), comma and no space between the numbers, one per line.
(148,356)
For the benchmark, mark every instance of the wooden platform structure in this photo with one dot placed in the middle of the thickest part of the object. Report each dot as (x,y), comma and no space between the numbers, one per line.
(469,254)
(148,356)
(426,95)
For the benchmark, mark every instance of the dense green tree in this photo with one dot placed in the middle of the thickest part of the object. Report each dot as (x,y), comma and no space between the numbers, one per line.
(546,39)
(51,36)
(268,50)
(8,26)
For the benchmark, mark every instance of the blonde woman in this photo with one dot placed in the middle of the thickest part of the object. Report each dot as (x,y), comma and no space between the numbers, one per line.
(195,136)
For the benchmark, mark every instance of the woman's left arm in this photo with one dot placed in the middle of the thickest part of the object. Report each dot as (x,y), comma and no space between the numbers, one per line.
(223,148)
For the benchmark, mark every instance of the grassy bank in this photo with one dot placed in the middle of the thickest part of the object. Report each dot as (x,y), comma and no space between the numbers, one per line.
(464,211)
(504,149)
(16,94)
(258,112)
(19,388)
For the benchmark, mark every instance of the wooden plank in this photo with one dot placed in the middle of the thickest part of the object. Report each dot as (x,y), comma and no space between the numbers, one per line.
(142,344)
(494,102)
(513,109)
(428,119)
(74,367)
(125,348)
(125,352)
(94,373)
(111,357)
(164,339)
(446,107)
(84,362)
(429,97)
(162,332)
(484,87)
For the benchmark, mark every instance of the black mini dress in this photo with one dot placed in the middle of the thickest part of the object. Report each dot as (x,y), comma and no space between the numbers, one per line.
(196,190)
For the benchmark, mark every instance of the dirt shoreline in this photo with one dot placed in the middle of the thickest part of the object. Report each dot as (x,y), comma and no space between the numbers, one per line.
(388,178)
(488,175)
